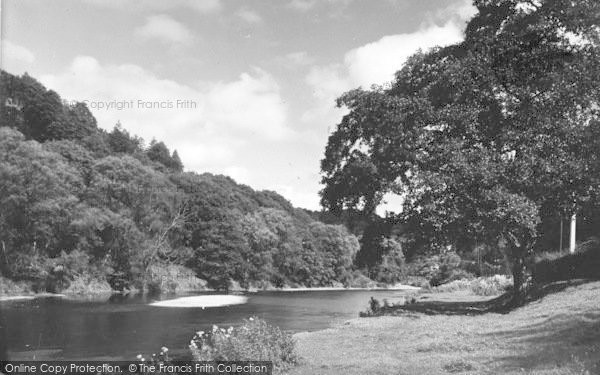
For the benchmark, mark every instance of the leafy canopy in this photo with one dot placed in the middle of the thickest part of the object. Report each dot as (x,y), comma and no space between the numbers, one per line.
(480,135)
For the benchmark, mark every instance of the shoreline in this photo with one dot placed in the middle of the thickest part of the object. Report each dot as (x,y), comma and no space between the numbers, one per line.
(335,288)
(25,297)
(396,287)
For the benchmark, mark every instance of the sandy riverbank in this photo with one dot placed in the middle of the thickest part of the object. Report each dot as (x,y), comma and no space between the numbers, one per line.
(31,296)
(217,300)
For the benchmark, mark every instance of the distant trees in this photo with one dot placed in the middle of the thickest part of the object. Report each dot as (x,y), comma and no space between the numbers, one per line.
(42,110)
(39,113)
(336,249)
(482,136)
(381,252)
(120,141)
(159,153)
(286,251)
(233,236)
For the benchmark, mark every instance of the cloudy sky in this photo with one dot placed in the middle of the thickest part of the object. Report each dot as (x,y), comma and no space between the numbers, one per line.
(260,76)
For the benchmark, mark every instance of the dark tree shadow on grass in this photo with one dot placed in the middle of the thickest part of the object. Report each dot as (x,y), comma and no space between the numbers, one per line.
(561,335)
(560,340)
(443,307)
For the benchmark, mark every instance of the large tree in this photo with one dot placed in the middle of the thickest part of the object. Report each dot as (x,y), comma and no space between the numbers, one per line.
(480,136)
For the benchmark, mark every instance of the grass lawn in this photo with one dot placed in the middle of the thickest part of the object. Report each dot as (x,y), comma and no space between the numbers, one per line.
(555,334)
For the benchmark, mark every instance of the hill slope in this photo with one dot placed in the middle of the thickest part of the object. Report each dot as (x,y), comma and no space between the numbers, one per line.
(83,208)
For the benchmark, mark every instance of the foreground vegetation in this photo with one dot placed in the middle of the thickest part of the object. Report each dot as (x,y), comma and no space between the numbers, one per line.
(254,340)
(557,334)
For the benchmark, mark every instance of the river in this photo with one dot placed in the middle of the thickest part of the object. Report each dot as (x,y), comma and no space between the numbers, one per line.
(122,327)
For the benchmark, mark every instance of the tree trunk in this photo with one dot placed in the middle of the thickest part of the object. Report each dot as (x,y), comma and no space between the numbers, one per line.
(5,263)
(518,272)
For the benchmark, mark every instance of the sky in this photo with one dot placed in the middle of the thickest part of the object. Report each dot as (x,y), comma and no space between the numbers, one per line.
(244,88)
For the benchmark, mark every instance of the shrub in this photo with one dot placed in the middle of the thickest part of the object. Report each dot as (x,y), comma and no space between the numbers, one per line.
(424,267)
(453,286)
(485,259)
(254,340)
(9,287)
(374,309)
(435,268)
(30,267)
(72,264)
(74,273)
(359,280)
(171,278)
(491,286)
(584,264)
(88,284)
(156,359)
(481,286)
(445,276)
(482,268)
(440,269)
(418,281)
(392,266)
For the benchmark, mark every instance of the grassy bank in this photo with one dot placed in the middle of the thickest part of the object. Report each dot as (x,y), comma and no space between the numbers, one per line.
(556,334)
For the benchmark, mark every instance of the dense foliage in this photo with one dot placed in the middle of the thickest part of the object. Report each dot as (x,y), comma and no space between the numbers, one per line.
(487,140)
(583,264)
(82,206)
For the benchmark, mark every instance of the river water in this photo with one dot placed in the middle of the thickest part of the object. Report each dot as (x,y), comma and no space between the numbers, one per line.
(122,327)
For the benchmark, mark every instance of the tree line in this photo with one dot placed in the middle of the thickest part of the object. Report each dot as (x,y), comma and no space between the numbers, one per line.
(79,202)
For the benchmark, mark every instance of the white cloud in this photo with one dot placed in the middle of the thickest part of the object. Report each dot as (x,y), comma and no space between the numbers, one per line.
(460,11)
(239,174)
(302,5)
(299,198)
(296,59)
(204,6)
(376,63)
(252,104)
(306,5)
(249,16)
(199,6)
(328,83)
(327,80)
(208,132)
(15,58)
(165,29)
(373,63)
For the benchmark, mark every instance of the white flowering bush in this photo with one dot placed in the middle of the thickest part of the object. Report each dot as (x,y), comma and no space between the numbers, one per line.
(254,340)
(155,359)
(481,286)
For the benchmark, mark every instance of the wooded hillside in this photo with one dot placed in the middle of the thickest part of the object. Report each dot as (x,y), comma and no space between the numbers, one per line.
(84,206)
